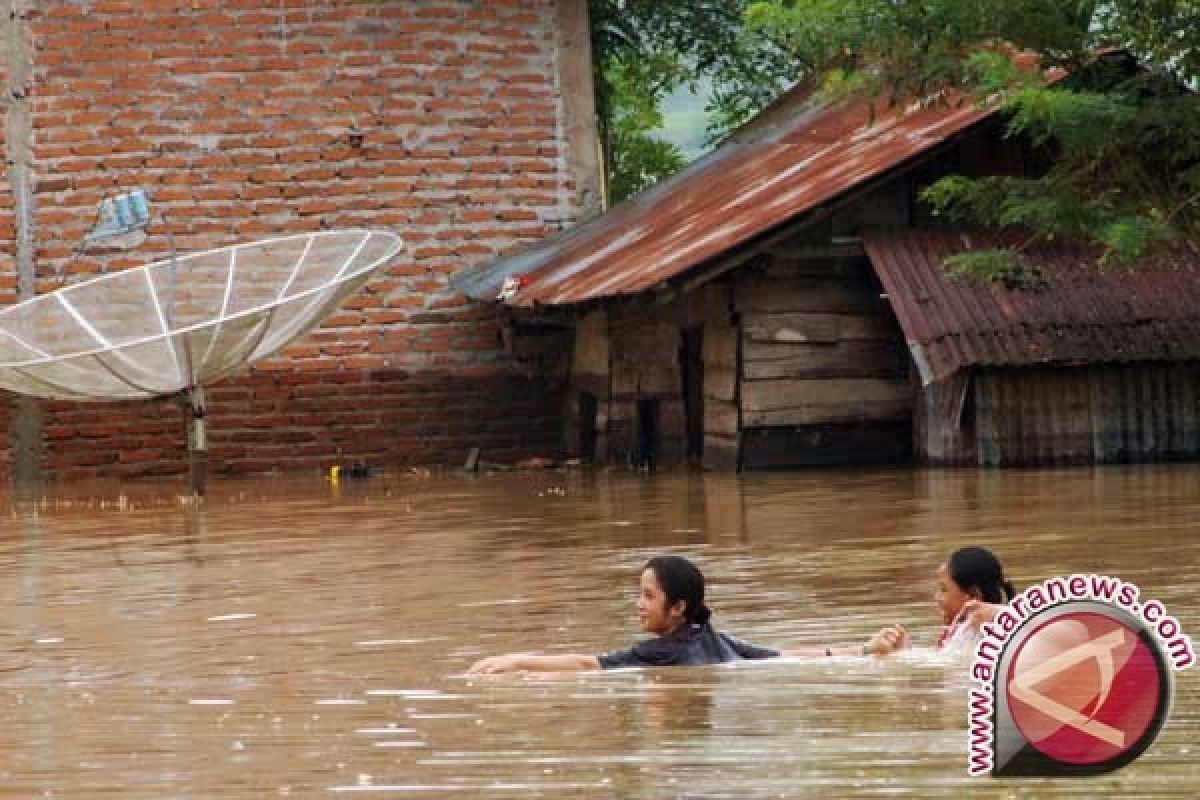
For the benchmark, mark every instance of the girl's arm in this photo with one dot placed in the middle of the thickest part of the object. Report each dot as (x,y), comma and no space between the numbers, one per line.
(531,662)
(888,640)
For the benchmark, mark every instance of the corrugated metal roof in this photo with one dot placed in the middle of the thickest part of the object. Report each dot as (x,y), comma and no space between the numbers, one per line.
(1083,314)
(786,164)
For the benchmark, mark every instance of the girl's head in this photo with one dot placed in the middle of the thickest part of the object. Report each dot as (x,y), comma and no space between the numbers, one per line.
(971,573)
(672,593)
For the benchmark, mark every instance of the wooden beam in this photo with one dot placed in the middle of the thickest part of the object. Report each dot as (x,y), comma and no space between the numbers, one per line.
(720,383)
(592,345)
(747,251)
(797,327)
(807,294)
(721,418)
(821,252)
(843,359)
(808,402)
(823,415)
(767,395)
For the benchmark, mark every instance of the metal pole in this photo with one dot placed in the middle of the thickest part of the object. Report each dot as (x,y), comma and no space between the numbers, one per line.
(197,440)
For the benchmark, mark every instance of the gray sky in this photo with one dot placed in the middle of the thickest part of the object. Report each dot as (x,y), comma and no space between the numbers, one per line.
(684,122)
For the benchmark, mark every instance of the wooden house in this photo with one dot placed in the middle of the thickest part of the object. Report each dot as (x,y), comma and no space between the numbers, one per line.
(782,303)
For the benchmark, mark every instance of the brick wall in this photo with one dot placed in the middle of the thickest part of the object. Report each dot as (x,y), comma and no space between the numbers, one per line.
(440,120)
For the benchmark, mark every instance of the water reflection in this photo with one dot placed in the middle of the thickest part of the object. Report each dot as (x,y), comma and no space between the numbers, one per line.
(289,638)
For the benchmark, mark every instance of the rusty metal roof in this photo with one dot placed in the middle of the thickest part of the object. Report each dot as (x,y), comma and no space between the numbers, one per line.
(1082,314)
(796,156)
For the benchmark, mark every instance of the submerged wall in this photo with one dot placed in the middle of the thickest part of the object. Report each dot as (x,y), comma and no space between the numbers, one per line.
(1101,414)
(441,120)
(653,383)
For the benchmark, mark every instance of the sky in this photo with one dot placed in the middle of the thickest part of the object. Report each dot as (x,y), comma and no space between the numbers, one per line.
(684,121)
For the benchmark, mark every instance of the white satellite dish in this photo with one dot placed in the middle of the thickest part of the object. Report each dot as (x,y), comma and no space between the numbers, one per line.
(177,325)
(182,323)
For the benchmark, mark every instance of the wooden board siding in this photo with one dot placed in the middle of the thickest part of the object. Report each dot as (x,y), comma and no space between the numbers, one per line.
(1098,414)
(806,294)
(824,371)
(811,327)
(629,355)
(591,345)
(645,366)
(809,402)
(590,375)
(722,417)
(847,359)
(943,421)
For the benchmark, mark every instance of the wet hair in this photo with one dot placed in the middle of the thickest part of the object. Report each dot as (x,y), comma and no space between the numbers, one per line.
(977,568)
(680,579)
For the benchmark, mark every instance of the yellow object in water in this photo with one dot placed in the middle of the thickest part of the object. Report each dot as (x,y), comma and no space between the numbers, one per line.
(334,471)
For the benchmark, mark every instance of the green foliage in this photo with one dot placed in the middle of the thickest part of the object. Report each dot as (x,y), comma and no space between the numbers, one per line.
(1118,135)
(991,73)
(645,49)
(1079,122)
(1007,268)
(635,159)
(1005,201)
(1127,238)
(640,161)
(839,84)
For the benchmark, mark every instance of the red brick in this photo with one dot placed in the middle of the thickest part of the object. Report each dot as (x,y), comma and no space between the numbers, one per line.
(236,138)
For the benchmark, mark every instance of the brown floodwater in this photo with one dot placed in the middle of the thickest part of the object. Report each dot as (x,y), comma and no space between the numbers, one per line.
(291,638)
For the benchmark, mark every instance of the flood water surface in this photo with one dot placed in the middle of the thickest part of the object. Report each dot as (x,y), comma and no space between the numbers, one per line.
(291,638)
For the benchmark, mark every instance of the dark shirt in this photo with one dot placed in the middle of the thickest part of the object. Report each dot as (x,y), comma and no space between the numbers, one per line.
(689,646)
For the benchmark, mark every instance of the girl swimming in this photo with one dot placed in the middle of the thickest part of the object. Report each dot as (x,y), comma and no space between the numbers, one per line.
(671,606)
(971,589)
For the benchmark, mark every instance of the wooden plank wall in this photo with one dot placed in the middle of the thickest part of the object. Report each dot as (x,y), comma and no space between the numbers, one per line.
(943,421)
(824,371)
(629,351)
(590,373)
(1099,414)
(645,365)
(722,417)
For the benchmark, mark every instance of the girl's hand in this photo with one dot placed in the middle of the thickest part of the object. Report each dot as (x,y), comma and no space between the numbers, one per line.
(887,641)
(977,613)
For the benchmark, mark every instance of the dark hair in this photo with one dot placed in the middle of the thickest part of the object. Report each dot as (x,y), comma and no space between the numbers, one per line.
(977,568)
(681,580)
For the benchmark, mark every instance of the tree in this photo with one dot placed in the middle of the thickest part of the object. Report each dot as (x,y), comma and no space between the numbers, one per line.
(645,49)
(635,159)
(1121,128)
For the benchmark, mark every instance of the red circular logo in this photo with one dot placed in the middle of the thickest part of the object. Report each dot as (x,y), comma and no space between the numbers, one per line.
(1084,688)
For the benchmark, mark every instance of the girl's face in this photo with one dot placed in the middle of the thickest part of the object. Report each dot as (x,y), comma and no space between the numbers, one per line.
(653,613)
(949,595)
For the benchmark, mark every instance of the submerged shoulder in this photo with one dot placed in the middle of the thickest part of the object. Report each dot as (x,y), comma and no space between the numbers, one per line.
(745,649)
(662,651)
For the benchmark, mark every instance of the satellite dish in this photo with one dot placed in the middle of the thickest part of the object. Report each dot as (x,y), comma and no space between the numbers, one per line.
(185,322)
(175,326)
